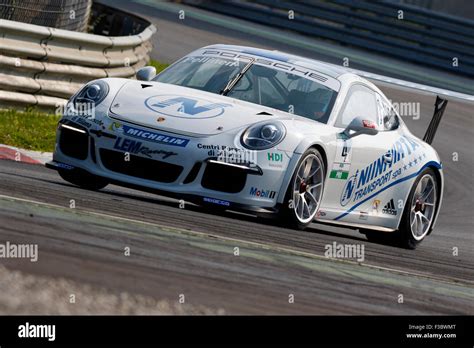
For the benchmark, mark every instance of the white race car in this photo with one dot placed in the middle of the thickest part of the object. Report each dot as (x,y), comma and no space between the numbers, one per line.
(241,128)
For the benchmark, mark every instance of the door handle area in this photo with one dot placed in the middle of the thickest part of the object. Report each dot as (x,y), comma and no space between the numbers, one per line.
(387,157)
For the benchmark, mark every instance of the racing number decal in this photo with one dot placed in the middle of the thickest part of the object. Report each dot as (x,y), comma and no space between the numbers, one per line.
(342,162)
(343,151)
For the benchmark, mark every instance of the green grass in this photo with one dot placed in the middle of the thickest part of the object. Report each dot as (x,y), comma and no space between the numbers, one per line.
(34,130)
(30,129)
(158,65)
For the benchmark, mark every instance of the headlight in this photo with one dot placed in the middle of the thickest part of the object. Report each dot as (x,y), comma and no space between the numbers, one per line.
(92,93)
(263,135)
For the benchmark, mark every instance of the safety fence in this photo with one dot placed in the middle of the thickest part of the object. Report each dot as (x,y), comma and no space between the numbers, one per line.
(396,30)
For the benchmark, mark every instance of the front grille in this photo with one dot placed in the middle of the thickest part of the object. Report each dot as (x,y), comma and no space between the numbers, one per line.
(140,167)
(224,178)
(73,143)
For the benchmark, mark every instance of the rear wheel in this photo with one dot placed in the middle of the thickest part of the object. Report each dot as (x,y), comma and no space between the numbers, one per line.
(418,215)
(83,179)
(305,191)
(420,210)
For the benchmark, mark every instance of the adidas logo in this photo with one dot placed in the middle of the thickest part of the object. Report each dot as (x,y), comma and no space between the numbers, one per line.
(389,208)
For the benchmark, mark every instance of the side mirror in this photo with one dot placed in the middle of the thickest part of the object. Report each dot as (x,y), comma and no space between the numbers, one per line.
(360,126)
(146,73)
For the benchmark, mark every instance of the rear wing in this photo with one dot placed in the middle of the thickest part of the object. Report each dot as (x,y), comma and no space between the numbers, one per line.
(440,107)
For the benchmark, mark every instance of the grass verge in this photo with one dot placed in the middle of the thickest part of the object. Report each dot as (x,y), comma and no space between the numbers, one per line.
(29,129)
(158,65)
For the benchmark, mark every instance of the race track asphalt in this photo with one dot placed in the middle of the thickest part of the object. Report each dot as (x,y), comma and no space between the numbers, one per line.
(190,251)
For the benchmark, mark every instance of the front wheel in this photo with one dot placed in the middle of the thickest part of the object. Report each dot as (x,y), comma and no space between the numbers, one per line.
(305,191)
(83,179)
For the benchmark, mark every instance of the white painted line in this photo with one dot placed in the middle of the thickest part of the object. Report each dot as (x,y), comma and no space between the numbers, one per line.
(241,241)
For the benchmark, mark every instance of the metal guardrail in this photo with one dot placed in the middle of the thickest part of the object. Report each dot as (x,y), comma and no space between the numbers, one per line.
(44,66)
(422,36)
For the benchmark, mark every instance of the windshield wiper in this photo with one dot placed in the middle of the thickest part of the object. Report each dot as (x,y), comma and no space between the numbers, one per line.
(232,82)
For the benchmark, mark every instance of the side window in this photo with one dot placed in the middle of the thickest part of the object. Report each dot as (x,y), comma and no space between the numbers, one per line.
(360,101)
(388,119)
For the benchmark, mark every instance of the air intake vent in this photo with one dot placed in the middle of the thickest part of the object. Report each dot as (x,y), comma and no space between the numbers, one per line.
(140,167)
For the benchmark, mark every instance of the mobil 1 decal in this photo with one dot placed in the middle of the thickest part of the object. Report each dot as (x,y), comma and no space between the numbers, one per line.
(342,162)
(406,154)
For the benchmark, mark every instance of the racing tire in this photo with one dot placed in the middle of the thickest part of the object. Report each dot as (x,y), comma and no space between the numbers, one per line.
(418,214)
(83,179)
(305,191)
(420,210)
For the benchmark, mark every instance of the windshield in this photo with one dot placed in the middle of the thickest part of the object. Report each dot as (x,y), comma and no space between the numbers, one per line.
(260,85)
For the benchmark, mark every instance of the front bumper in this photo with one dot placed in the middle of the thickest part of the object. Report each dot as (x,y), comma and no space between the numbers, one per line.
(195,171)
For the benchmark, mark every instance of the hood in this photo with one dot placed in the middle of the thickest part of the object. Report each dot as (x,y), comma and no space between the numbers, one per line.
(184,110)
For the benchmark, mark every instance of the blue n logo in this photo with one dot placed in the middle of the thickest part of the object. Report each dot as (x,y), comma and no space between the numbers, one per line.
(188,106)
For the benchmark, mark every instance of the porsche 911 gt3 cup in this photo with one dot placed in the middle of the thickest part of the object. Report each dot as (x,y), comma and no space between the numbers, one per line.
(241,128)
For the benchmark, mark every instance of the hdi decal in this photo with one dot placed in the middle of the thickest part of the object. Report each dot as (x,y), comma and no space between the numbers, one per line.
(379,173)
(178,106)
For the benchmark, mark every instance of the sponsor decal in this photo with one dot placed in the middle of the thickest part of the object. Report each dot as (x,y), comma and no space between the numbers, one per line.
(86,121)
(262,193)
(179,106)
(389,208)
(320,213)
(216,201)
(81,121)
(378,173)
(281,62)
(393,184)
(211,147)
(116,127)
(376,205)
(275,157)
(338,174)
(210,60)
(230,154)
(137,148)
(340,171)
(63,165)
(348,190)
(148,135)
